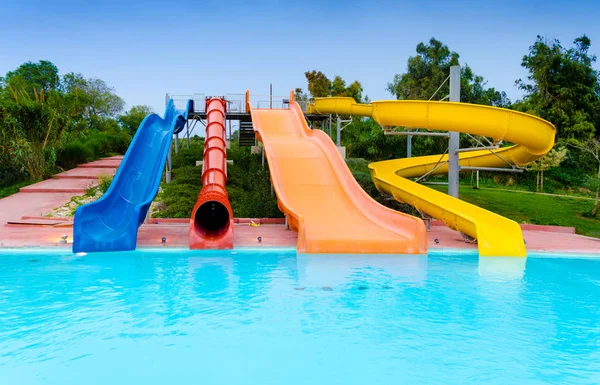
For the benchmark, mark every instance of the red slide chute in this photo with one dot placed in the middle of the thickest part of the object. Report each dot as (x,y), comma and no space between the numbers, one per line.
(211,225)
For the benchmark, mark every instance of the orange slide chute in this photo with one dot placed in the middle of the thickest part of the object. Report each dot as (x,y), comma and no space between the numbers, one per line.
(211,225)
(320,197)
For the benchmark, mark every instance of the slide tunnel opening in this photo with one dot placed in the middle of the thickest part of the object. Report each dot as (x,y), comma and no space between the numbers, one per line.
(212,218)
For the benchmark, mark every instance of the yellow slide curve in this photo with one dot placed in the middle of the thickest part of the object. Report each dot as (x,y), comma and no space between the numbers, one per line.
(534,137)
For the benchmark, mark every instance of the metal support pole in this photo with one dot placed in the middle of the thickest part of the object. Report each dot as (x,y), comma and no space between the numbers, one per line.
(477,179)
(176,143)
(453,165)
(330,125)
(409,146)
(169,164)
(263,157)
(187,132)
(338,138)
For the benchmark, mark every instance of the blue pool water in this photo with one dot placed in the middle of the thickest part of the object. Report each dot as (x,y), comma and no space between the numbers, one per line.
(249,317)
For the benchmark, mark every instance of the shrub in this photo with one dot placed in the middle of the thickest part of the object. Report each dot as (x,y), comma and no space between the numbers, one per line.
(73,154)
(10,173)
(358,164)
(187,175)
(364,180)
(178,199)
(107,143)
(248,186)
(188,157)
(93,146)
(105,182)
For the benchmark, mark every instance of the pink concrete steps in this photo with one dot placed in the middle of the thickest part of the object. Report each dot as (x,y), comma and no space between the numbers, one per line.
(19,205)
(77,180)
(74,186)
(35,222)
(102,163)
(86,173)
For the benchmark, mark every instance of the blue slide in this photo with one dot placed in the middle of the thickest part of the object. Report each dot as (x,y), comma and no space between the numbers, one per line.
(111,223)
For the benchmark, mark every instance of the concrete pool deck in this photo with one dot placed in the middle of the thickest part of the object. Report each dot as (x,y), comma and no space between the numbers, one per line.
(276,235)
(22,223)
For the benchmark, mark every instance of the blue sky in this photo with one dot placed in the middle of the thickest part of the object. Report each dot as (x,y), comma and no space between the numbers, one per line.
(147,48)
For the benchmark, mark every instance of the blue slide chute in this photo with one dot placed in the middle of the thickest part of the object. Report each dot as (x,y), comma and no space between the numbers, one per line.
(111,223)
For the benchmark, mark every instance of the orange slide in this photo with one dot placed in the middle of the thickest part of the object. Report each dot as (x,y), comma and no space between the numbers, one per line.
(320,197)
(211,225)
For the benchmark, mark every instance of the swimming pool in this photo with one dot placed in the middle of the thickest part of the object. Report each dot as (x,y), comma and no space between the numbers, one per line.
(272,317)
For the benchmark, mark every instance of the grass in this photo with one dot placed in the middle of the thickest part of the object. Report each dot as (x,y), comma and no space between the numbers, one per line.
(513,201)
(535,208)
(13,189)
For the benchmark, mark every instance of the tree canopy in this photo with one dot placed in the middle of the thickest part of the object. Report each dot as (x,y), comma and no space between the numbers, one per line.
(428,70)
(320,86)
(100,99)
(562,87)
(44,117)
(39,76)
(131,120)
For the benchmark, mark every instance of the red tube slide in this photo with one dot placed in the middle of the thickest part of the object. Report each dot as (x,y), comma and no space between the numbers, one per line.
(211,225)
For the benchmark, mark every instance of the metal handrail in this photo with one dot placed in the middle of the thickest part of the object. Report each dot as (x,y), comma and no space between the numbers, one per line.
(236,102)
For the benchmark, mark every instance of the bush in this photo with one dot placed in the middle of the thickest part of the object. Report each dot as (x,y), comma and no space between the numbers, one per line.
(358,164)
(13,188)
(105,182)
(191,175)
(179,196)
(93,146)
(248,186)
(73,154)
(188,157)
(104,144)
(255,199)
(178,199)
(10,173)
(364,180)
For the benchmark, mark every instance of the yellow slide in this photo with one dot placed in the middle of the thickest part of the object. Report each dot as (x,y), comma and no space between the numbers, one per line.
(534,137)
(320,197)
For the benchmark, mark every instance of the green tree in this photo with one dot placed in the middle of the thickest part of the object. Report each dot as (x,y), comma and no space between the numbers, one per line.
(46,120)
(427,72)
(320,86)
(300,95)
(426,78)
(355,90)
(562,87)
(592,147)
(364,138)
(42,75)
(33,128)
(130,121)
(99,98)
(552,159)
(338,86)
